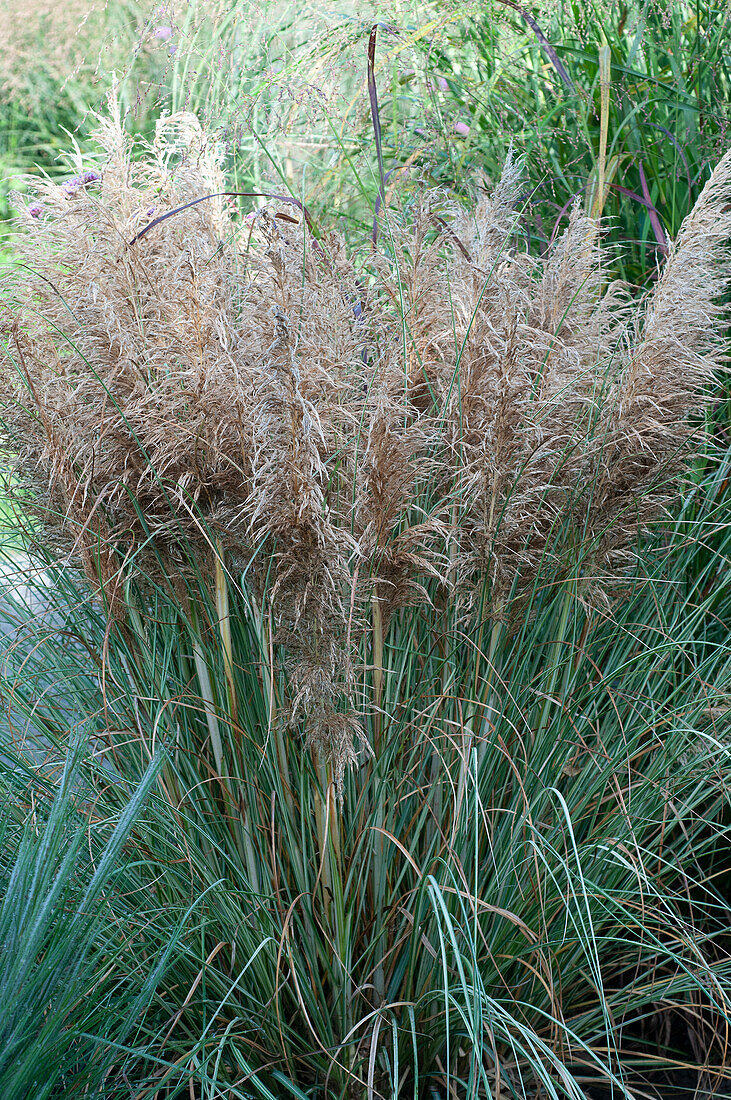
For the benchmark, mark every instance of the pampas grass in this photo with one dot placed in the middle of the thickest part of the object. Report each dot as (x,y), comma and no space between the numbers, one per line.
(343,424)
(321,515)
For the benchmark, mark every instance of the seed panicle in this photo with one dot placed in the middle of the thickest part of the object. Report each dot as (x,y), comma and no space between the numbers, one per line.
(348,425)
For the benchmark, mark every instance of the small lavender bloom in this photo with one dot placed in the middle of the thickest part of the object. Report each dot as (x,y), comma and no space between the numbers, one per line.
(72,186)
(163,33)
(35,209)
(461,128)
(172,49)
(150,212)
(443,84)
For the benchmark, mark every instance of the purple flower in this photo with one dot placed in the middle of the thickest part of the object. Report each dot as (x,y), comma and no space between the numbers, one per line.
(150,212)
(72,186)
(35,209)
(443,84)
(461,128)
(163,33)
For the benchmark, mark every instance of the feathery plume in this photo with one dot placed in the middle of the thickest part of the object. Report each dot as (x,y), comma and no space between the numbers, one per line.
(354,430)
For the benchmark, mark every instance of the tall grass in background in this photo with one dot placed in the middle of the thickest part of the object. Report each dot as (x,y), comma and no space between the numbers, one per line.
(623,105)
(375,542)
(57,63)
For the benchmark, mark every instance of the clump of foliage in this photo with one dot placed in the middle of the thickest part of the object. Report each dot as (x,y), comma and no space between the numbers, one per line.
(74,988)
(384,497)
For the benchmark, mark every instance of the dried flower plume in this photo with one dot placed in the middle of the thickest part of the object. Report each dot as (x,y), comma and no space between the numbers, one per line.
(350,426)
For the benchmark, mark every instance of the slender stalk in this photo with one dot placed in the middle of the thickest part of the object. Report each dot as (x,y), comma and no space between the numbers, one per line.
(235,808)
(379,981)
(557,663)
(224,624)
(489,710)
(377,642)
(605,82)
(323,806)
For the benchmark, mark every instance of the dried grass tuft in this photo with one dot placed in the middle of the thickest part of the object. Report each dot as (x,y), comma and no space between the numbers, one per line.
(347,426)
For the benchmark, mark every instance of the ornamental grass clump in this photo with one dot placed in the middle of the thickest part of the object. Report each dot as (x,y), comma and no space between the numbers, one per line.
(343,424)
(385,497)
